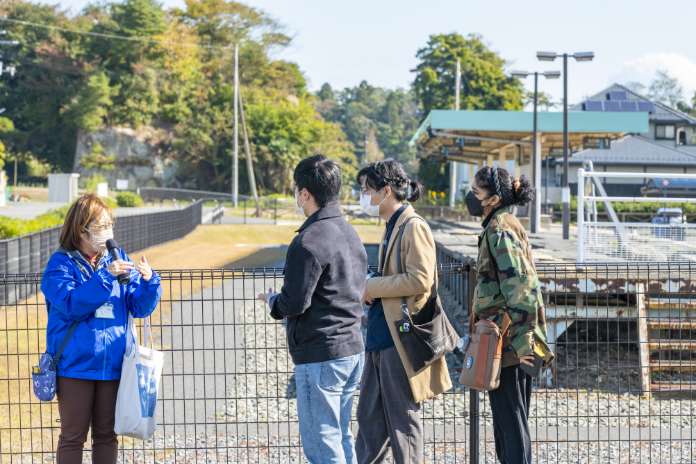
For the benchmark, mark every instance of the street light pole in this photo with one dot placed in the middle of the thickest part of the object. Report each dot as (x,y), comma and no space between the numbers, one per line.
(565,195)
(565,192)
(534,226)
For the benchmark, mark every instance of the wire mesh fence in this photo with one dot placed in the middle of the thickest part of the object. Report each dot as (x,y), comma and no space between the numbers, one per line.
(638,241)
(30,253)
(621,388)
(227,390)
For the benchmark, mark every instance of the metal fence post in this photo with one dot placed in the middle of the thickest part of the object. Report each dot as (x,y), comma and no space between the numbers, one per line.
(474,412)
(581,215)
(474,427)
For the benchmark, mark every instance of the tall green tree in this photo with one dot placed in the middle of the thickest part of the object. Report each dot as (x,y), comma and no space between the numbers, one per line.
(170,71)
(88,109)
(48,78)
(141,21)
(484,83)
(484,86)
(284,131)
(6,127)
(379,120)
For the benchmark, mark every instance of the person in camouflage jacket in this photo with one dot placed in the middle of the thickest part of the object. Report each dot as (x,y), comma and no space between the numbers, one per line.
(507,283)
(507,286)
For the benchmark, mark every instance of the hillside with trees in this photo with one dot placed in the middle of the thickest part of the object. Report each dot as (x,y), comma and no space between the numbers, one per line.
(135,65)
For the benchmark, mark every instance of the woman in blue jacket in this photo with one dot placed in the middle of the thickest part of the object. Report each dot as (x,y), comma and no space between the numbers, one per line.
(81,288)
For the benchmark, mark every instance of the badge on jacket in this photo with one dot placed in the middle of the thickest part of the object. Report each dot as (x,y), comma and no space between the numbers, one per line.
(105,311)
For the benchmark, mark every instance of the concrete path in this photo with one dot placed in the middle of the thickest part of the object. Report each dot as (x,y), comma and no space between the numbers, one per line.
(29,210)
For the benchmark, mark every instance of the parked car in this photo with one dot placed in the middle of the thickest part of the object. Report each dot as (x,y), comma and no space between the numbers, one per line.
(672,223)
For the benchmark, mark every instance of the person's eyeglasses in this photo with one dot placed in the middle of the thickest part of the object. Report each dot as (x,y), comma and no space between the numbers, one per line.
(101,227)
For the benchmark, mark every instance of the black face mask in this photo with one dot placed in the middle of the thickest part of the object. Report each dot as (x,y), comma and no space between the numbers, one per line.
(473,204)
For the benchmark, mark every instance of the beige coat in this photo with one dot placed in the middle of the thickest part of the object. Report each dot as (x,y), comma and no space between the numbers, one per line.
(418,261)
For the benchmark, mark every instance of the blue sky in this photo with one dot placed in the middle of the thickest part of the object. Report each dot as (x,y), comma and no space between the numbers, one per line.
(343,42)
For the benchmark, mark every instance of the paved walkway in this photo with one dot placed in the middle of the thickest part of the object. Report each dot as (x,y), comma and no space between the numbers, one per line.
(29,210)
(548,245)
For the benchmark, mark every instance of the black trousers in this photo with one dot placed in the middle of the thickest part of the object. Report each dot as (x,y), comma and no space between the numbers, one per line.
(510,408)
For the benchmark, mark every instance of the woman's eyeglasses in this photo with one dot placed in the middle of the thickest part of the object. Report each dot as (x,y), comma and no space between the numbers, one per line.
(101,227)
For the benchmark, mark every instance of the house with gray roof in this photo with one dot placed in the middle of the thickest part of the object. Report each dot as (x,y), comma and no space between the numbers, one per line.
(668,147)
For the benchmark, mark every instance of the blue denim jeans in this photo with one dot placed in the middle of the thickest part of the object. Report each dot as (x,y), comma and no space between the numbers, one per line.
(324,404)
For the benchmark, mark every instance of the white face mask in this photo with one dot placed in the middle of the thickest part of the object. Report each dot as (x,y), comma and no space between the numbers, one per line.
(98,239)
(367,206)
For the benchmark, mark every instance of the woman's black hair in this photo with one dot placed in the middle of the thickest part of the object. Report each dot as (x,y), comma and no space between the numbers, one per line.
(498,181)
(390,172)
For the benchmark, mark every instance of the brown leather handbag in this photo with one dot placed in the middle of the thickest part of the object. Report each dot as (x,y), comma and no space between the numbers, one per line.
(483,353)
(428,334)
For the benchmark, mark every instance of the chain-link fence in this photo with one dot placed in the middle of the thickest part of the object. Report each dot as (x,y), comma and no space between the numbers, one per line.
(620,389)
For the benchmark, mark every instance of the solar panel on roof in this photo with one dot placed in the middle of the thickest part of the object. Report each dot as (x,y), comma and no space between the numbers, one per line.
(627,105)
(612,106)
(646,106)
(617,95)
(592,105)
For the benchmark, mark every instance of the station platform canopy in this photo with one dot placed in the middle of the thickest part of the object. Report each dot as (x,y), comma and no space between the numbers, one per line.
(473,136)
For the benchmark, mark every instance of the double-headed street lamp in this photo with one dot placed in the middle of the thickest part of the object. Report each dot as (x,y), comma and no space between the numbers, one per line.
(536,155)
(578,56)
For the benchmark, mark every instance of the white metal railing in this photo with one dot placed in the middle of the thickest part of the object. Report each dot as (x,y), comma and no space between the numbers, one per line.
(635,241)
(638,175)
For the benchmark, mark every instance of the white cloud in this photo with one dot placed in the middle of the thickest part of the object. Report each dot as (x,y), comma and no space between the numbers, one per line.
(643,69)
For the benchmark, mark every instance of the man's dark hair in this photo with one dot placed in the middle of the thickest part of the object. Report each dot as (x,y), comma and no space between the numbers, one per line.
(321,177)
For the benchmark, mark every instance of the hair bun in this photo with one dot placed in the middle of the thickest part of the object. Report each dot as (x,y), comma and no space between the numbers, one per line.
(516,184)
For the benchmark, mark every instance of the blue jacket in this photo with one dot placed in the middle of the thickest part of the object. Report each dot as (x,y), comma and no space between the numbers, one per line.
(74,291)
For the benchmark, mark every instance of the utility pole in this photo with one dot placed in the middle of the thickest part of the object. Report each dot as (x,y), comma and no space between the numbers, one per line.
(453,164)
(249,161)
(235,153)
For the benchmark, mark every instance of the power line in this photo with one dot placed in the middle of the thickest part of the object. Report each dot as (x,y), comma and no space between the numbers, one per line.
(104,35)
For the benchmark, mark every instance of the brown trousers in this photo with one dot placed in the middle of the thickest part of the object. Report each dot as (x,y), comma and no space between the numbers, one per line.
(82,403)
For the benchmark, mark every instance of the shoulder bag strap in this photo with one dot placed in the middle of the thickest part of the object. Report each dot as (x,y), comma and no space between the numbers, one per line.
(64,343)
(399,266)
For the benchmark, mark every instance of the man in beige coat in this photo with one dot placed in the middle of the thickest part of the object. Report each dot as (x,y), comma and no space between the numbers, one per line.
(391,391)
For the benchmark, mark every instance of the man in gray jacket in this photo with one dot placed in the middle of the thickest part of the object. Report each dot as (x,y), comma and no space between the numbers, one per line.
(325,272)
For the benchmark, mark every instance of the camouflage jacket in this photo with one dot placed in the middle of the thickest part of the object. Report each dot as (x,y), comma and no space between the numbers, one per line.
(507,282)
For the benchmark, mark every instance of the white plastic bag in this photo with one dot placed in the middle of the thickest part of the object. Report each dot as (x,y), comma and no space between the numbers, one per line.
(137,392)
